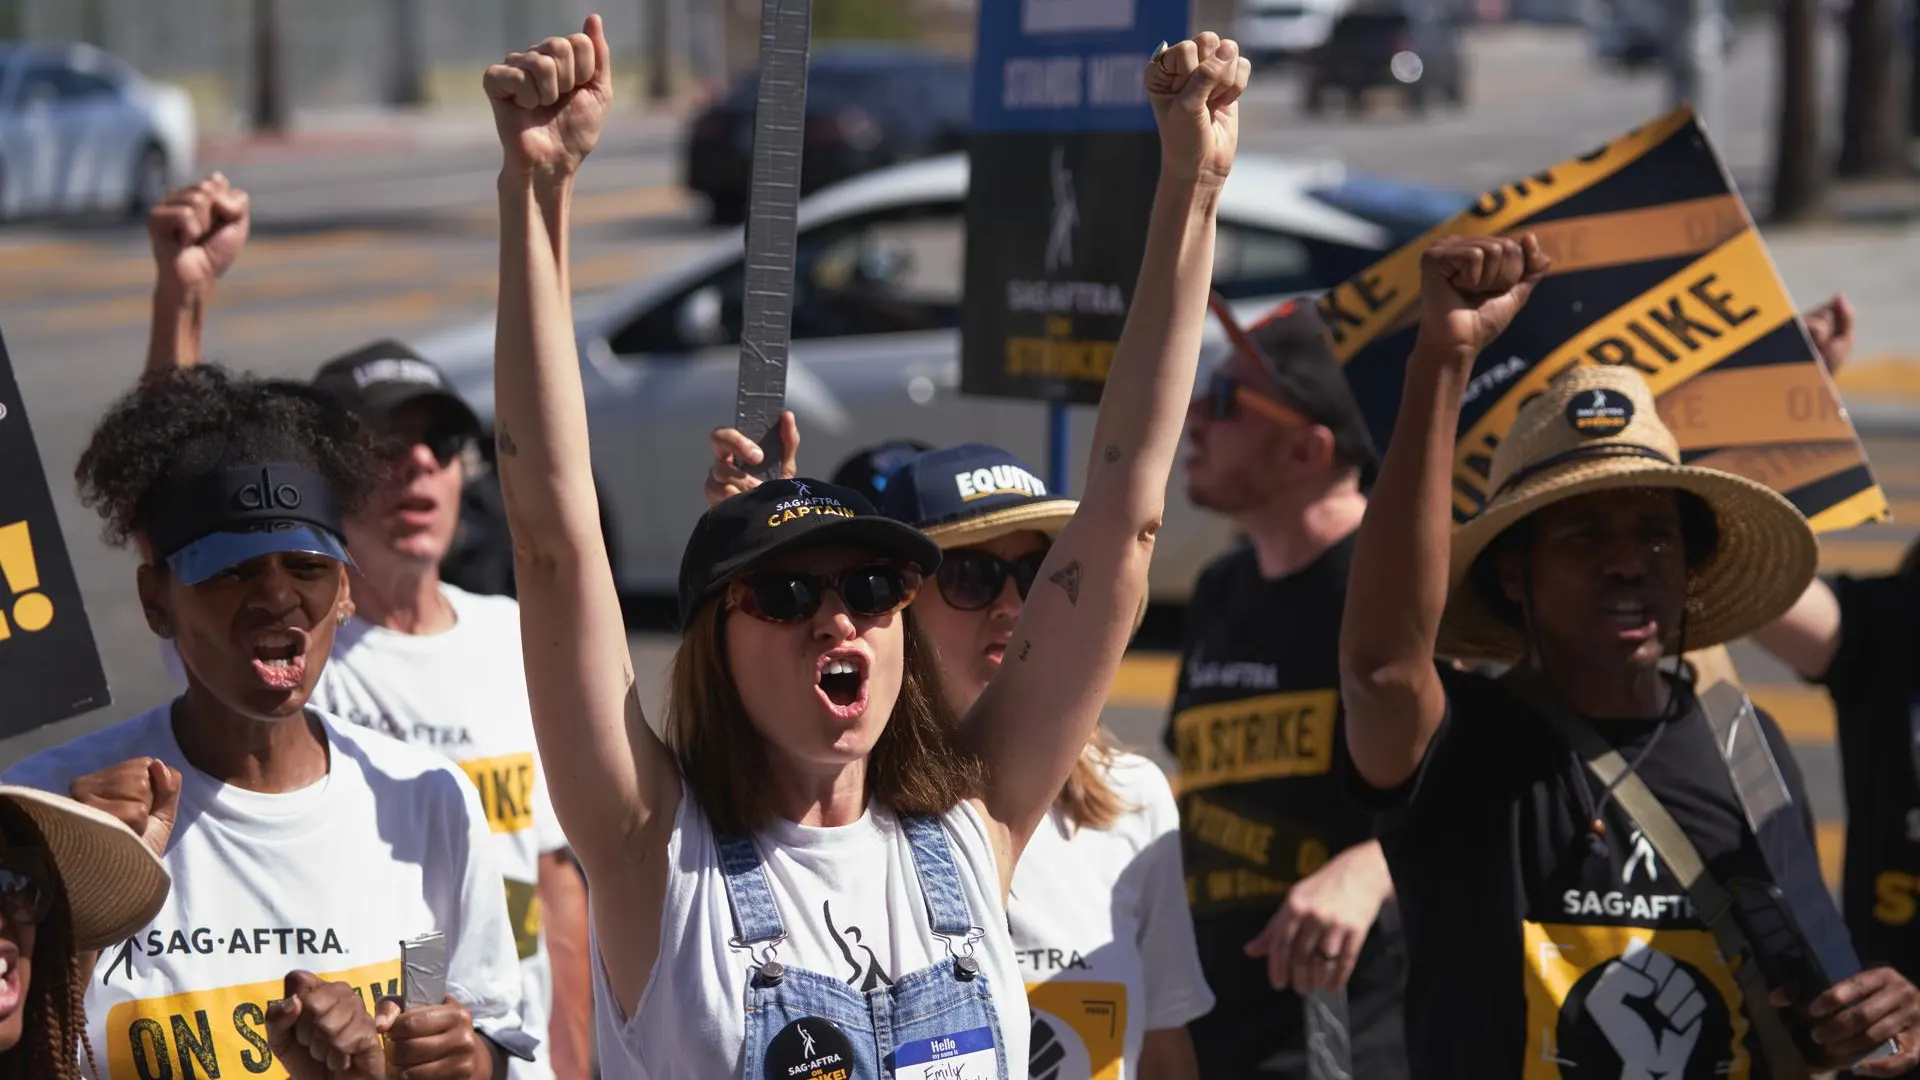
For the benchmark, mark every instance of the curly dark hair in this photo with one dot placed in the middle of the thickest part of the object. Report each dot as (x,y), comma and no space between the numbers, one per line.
(188,422)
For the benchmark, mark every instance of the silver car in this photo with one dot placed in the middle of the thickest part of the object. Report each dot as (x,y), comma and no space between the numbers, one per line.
(81,132)
(875,352)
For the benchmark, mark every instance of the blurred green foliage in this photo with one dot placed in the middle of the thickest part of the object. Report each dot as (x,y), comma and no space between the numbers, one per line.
(862,20)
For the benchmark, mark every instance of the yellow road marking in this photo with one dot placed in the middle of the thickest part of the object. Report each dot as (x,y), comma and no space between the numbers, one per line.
(1831,838)
(1862,556)
(1887,374)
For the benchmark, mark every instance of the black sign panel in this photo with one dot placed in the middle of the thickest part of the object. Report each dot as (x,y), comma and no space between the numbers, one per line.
(1056,227)
(49,666)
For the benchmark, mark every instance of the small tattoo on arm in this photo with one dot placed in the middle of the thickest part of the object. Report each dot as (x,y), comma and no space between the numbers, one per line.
(1025,648)
(504,440)
(1068,578)
(1112,454)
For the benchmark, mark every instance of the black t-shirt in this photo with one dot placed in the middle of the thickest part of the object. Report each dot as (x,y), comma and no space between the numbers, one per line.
(1874,681)
(1514,922)
(1264,803)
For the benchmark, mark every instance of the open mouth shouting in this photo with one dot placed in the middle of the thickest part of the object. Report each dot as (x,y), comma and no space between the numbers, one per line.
(279,657)
(1631,620)
(10,991)
(841,682)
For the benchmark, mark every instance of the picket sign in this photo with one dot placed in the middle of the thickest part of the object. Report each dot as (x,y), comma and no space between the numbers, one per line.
(1657,265)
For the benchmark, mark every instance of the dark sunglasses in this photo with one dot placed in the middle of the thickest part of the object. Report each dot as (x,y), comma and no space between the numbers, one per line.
(444,443)
(971,579)
(1225,395)
(870,591)
(26,887)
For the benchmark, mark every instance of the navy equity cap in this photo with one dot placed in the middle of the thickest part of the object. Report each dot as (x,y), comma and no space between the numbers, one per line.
(789,515)
(971,493)
(219,519)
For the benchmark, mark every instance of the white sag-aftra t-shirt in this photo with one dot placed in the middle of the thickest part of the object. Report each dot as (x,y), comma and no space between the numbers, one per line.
(462,693)
(850,901)
(1103,934)
(391,844)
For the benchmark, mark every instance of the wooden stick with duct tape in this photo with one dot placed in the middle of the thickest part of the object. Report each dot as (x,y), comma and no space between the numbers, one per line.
(779,123)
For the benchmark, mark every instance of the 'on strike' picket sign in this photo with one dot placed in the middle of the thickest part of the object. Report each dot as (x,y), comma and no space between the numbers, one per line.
(1658,266)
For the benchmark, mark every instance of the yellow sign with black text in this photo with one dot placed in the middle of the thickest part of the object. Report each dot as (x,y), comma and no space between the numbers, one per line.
(506,790)
(1256,738)
(218,1032)
(1657,266)
(1079,1029)
(1619,1001)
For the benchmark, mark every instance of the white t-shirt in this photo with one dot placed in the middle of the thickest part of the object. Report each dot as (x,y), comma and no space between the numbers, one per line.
(1103,934)
(391,844)
(463,694)
(850,901)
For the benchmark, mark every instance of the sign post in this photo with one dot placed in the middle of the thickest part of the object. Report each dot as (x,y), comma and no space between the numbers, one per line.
(49,665)
(1064,157)
(779,123)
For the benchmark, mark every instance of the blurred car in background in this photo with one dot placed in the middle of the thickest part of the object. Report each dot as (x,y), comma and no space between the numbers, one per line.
(1269,31)
(83,132)
(876,345)
(1632,35)
(1413,48)
(868,106)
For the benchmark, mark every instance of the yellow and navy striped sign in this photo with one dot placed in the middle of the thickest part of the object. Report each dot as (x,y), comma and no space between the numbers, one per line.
(1657,265)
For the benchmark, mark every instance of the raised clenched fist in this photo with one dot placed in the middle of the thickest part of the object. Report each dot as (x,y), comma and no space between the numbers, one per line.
(1471,287)
(197,232)
(1195,89)
(143,793)
(550,101)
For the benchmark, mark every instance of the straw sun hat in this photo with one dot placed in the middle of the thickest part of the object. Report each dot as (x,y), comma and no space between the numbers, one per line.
(114,884)
(1595,429)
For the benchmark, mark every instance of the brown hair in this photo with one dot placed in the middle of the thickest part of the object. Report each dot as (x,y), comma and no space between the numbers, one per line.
(918,765)
(54,1024)
(1088,799)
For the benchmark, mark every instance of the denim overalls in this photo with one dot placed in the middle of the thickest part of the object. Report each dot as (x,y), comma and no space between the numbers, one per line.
(934,1014)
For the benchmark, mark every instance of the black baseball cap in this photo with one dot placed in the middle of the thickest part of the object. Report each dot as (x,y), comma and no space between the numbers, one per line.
(378,378)
(1291,346)
(213,521)
(788,515)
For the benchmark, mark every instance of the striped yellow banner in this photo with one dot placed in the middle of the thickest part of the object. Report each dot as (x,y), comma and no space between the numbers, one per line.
(1358,310)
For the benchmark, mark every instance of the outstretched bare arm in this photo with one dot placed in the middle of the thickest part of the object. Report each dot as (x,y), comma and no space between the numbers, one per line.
(614,785)
(1034,719)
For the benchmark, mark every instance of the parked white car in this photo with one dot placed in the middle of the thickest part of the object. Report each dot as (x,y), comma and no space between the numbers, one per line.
(876,345)
(83,132)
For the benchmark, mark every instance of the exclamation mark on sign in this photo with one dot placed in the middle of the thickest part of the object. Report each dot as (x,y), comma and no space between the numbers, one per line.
(32,610)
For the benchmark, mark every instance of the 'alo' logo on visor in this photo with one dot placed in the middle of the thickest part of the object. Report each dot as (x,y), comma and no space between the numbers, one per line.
(267,495)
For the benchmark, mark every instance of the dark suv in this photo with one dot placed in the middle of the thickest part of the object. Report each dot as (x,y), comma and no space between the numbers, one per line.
(1415,52)
(867,106)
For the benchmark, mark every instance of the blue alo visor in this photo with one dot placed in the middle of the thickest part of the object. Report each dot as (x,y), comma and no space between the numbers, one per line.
(220,519)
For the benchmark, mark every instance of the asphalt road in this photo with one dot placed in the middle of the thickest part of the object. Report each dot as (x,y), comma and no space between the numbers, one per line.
(360,242)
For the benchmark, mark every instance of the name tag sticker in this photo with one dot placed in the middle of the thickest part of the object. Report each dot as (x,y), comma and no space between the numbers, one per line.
(967,1055)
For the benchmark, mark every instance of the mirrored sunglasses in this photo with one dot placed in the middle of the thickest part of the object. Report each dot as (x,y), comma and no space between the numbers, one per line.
(869,591)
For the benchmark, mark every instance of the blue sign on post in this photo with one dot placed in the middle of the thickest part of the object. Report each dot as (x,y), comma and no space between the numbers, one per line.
(1064,157)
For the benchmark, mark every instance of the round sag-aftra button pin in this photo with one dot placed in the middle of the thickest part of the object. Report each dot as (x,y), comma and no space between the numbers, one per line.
(1596,414)
(809,1049)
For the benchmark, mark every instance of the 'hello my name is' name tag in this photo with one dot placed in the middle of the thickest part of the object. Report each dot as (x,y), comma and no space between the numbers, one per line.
(966,1055)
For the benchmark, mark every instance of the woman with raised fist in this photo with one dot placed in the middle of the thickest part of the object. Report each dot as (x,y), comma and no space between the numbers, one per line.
(809,874)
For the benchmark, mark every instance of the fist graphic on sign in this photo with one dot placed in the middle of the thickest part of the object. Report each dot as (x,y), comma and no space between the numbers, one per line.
(1644,974)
